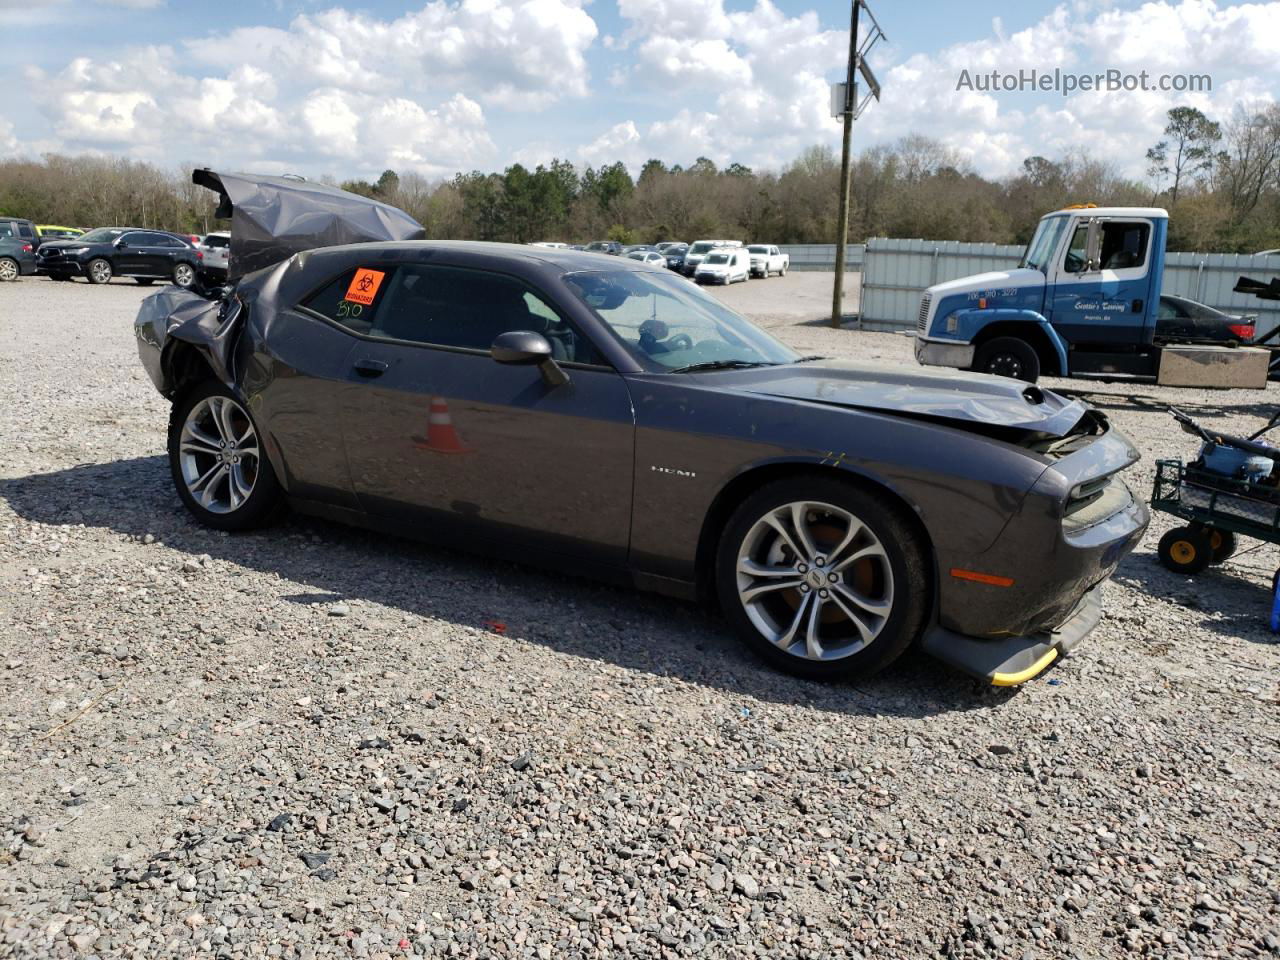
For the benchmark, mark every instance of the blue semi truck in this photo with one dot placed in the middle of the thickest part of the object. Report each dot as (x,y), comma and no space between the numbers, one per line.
(1083,302)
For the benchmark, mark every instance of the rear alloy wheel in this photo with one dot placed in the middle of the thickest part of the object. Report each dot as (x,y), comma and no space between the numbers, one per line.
(822,579)
(217,462)
(99,271)
(1008,357)
(184,275)
(9,270)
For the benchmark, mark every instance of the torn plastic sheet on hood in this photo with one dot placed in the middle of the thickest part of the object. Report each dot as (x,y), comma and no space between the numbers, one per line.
(272,218)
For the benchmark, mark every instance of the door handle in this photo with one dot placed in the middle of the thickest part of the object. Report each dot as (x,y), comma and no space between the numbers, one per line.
(370,368)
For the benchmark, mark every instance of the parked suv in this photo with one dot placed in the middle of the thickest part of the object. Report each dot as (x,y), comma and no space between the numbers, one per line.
(99,255)
(611,247)
(216,251)
(17,248)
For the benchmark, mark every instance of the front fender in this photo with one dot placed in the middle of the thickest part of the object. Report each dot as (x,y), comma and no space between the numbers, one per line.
(970,322)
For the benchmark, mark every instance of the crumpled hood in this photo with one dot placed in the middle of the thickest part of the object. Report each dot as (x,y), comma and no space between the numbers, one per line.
(943,394)
(272,218)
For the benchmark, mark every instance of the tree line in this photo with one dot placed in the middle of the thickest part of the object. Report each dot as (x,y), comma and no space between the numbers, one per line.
(1220,180)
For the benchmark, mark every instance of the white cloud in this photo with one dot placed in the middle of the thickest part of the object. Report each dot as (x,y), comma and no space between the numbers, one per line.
(770,74)
(362,92)
(8,142)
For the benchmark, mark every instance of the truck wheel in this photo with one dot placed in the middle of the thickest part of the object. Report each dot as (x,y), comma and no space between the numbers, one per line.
(1008,357)
(783,271)
(1185,550)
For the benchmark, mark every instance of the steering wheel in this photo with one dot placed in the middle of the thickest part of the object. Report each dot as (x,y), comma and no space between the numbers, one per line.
(681,341)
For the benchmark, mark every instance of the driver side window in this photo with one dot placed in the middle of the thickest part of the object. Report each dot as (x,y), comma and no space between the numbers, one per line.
(446,307)
(1077,252)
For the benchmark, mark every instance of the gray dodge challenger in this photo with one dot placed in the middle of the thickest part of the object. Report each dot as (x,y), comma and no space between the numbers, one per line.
(599,416)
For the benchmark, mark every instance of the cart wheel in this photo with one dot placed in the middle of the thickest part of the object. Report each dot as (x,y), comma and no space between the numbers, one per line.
(1222,543)
(1185,550)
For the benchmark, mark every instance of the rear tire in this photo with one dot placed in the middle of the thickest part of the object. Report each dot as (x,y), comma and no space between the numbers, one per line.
(1185,550)
(1008,357)
(184,275)
(216,458)
(1222,543)
(842,598)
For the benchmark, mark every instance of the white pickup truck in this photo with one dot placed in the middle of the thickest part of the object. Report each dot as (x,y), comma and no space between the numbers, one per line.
(767,259)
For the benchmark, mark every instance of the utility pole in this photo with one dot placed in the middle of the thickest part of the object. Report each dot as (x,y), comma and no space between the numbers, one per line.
(845,97)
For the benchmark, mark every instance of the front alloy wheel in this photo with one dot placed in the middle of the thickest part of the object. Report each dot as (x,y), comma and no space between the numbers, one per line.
(99,271)
(822,578)
(217,461)
(9,270)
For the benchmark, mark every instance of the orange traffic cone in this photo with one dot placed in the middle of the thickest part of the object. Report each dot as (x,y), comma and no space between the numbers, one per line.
(441,437)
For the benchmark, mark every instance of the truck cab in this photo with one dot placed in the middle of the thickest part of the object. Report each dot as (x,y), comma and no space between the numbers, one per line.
(1083,301)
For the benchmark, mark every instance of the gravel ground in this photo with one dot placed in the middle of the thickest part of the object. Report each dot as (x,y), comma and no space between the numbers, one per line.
(313,741)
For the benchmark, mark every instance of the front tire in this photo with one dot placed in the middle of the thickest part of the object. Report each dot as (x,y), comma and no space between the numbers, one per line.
(823,579)
(1008,357)
(9,270)
(217,462)
(99,271)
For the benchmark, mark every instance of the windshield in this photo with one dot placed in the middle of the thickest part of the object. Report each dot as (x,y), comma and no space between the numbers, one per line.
(1042,246)
(597,245)
(701,247)
(666,322)
(717,258)
(757,249)
(101,235)
(636,256)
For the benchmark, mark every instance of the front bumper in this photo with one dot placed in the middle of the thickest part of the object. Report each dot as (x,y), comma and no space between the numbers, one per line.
(937,353)
(61,267)
(1014,660)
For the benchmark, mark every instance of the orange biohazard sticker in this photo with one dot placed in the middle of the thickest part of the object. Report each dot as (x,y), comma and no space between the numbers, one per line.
(364,286)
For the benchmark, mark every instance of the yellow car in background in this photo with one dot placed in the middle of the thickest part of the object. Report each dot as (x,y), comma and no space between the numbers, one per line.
(49,231)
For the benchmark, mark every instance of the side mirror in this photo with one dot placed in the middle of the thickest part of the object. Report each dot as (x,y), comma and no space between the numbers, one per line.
(526,348)
(121,243)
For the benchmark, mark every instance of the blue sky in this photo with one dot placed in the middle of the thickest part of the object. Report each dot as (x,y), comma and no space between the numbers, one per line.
(349,89)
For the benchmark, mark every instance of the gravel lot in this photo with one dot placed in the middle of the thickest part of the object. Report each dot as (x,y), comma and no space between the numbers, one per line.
(313,741)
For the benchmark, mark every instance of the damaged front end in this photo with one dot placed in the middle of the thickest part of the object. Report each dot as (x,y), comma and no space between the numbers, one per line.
(272,220)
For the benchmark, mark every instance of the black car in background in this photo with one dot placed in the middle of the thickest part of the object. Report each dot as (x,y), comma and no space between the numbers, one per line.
(99,255)
(675,256)
(18,241)
(1181,319)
